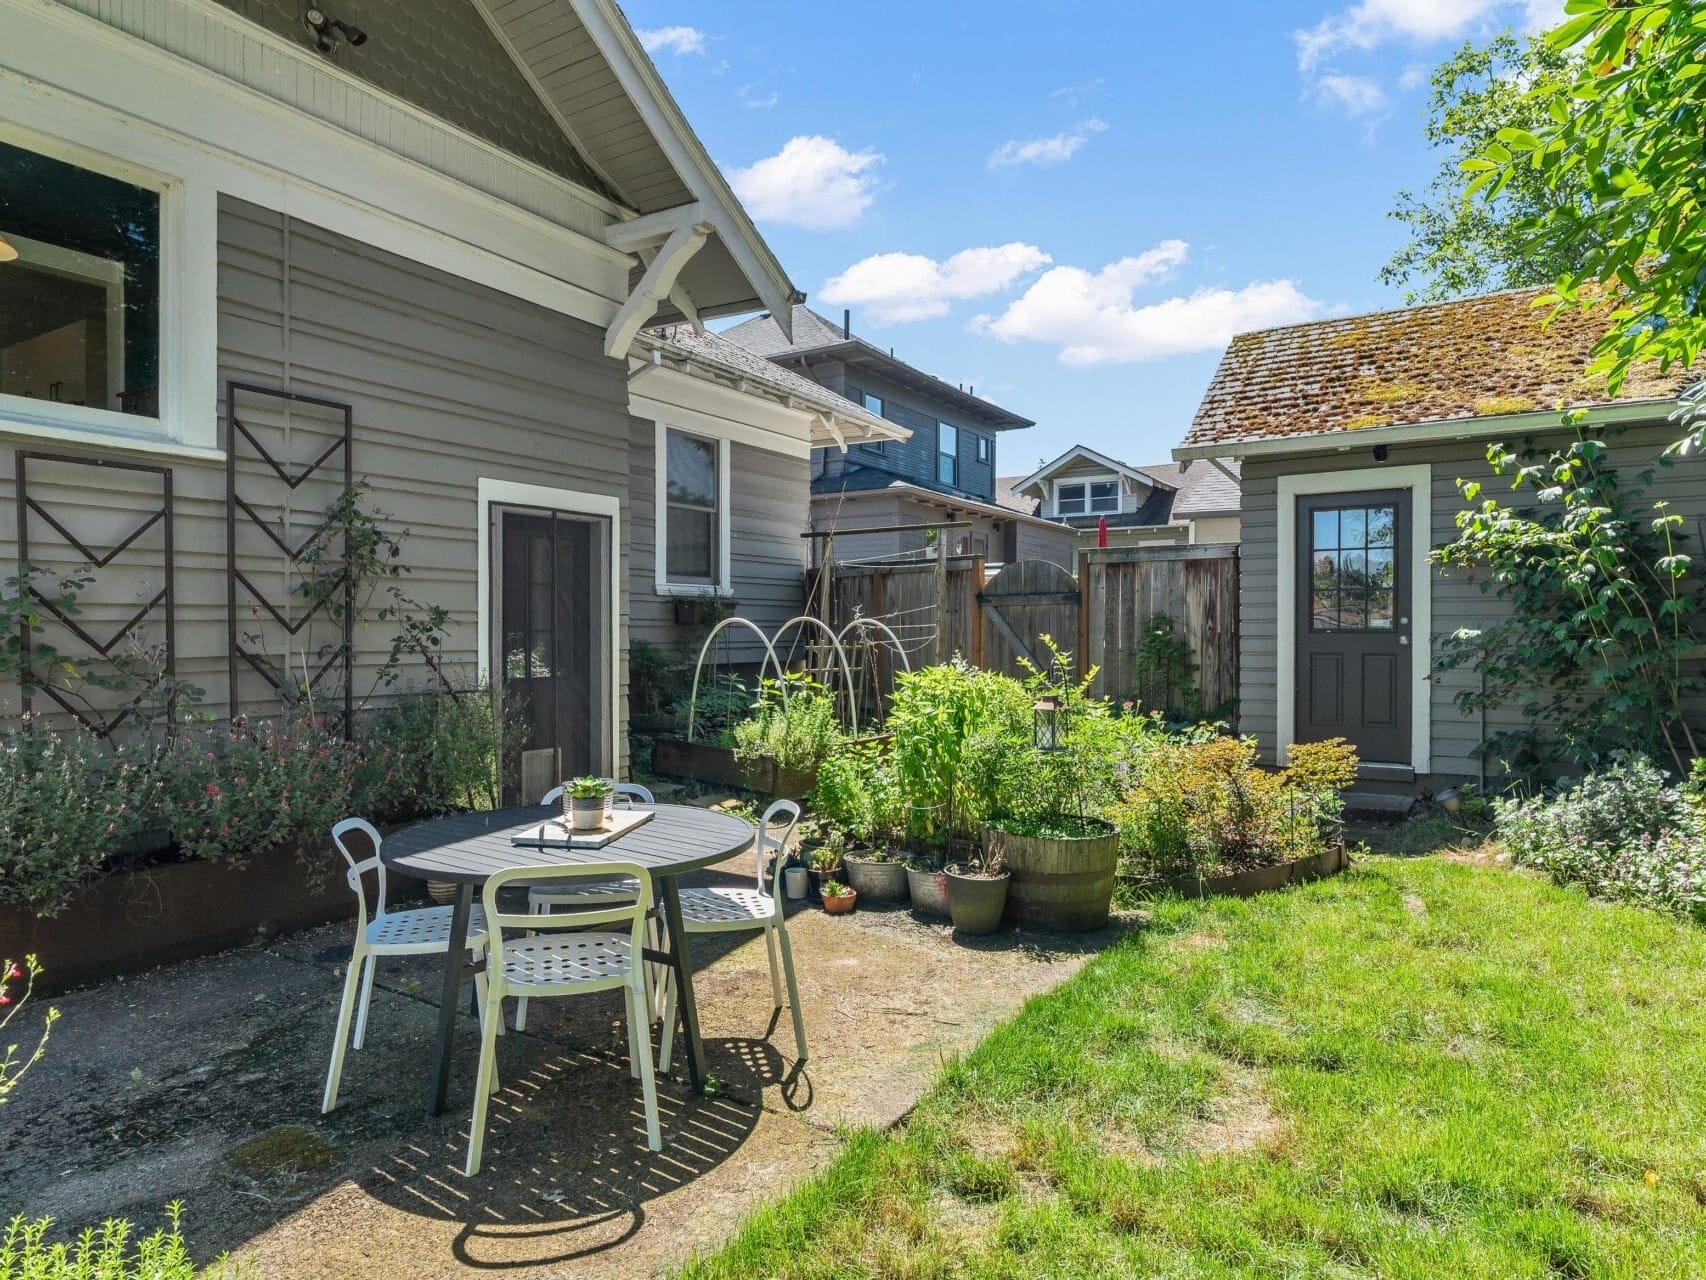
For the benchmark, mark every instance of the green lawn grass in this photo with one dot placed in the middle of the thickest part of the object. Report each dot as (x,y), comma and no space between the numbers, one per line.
(1421,1068)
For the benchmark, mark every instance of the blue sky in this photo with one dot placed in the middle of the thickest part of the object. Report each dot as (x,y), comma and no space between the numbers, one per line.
(1071,205)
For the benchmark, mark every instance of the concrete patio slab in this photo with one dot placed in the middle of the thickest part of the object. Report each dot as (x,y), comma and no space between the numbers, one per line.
(201,1082)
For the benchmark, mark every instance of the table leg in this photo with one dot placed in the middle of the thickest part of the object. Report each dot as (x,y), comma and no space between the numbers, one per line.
(455,966)
(682,964)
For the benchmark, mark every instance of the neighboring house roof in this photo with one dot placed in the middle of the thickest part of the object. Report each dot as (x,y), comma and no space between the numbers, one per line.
(1204,490)
(1007,495)
(862,479)
(1489,357)
(587,68)
(837,420)
(1081,452)
(815,337)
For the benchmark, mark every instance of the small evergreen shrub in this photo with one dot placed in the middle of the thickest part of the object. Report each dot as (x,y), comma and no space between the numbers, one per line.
(1625,833)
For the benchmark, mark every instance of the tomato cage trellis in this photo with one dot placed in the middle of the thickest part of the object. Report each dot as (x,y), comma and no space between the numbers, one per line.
(814,649)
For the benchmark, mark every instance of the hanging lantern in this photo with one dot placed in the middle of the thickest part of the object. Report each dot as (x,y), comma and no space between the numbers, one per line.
(1047,723)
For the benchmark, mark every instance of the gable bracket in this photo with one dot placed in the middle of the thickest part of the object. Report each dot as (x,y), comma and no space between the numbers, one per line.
(659,280)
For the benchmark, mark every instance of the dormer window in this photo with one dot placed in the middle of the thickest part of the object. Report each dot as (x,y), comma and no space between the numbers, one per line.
(1087,497)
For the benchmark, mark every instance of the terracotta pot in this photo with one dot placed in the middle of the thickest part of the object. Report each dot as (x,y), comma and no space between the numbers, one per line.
(975,901)
(842,905)
(929,891)
(1059,883)
(442,892)
(875,881)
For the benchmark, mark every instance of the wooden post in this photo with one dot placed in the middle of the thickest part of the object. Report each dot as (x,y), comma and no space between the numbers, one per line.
(941,595)
(1084,662)
(823,580)
(974,612)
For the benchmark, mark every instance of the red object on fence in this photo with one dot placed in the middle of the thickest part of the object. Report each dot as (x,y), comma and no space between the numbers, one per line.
(1102,532)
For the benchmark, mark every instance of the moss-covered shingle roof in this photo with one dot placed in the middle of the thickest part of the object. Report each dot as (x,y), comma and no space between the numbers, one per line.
(1479,357)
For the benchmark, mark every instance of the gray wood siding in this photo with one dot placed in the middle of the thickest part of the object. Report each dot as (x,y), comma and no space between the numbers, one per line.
(1458,601)
(768,501)
(916,458)
(1054,544)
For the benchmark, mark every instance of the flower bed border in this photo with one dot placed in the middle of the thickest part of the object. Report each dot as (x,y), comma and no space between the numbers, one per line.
(137,920)
(704,762)
(1246,884)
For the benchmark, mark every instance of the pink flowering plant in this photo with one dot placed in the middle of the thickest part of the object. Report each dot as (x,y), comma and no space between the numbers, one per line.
(17,980)
(1627,833)
(238,788)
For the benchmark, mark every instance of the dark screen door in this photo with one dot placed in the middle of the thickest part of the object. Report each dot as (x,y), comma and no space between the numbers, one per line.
(1353,622)
(552,600)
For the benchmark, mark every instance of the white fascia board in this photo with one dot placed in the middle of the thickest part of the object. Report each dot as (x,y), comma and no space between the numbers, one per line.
(1089,455)
(645,88)
(1446,429)
(661,394)
(69,76)
(978,506)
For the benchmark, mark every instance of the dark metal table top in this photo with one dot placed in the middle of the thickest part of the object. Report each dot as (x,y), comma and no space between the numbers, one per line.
(467,848)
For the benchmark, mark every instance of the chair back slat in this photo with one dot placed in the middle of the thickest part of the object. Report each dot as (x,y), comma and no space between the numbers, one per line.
(632,915)
(357,866)
(780,811)
(631,792)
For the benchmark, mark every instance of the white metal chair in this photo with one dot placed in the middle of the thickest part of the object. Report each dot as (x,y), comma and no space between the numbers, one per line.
(542,899)
(564,955)
(730,910)
(418,931)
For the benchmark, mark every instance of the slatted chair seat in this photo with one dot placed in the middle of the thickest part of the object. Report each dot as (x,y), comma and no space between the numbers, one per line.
(420,932)
(745,908)
(551,960)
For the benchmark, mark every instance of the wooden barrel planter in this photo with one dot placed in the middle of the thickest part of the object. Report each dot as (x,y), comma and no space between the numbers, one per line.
(1061,884)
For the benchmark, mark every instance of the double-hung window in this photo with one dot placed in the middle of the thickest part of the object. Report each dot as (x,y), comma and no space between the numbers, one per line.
(693,510)
(1104,497)
(79,291)
(1087,497)
(1069,499)
(947,454)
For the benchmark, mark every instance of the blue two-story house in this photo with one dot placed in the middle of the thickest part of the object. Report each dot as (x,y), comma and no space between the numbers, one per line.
(945,471)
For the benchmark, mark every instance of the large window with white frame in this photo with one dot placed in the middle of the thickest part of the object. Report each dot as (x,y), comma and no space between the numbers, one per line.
(1087,497)
(80,279)
(693,515)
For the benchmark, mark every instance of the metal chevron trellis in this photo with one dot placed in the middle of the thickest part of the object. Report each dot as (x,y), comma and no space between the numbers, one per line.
(239,437)
(163,600)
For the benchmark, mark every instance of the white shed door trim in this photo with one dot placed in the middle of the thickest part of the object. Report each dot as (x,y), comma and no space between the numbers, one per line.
(1418,479)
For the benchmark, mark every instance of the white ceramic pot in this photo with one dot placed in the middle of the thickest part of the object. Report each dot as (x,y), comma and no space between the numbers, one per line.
(796,881)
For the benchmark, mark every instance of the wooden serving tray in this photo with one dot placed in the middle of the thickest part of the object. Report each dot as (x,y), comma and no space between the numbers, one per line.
(555,833)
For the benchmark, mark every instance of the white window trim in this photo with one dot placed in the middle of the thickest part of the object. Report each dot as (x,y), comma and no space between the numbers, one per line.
(1418,479)
(724,585)
(510,493)
(1087,480)
(188,340)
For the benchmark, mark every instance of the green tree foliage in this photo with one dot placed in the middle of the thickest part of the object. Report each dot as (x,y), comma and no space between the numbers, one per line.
(1626,132)
(1459,246)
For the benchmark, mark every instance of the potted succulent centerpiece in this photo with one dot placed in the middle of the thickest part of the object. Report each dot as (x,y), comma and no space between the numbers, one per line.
(838,899)
(585,801)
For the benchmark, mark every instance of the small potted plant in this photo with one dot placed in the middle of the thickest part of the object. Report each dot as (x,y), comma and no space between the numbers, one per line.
(977,893)
(927,884)
(878,875)
(838,899)
(824,862)
(584,802)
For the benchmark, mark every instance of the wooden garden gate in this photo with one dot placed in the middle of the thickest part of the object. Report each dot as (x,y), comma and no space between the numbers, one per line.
(1020,605)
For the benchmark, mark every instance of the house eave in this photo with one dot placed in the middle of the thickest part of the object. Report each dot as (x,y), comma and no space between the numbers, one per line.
(982,508)
(1438,431)
(859,353)
(1100,459)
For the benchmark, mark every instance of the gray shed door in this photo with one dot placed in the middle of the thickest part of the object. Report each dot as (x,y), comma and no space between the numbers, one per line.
(552,596)
(1353,620)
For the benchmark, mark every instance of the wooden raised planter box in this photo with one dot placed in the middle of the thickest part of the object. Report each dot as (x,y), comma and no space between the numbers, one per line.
(1245,884)
(703,762)
(137,920)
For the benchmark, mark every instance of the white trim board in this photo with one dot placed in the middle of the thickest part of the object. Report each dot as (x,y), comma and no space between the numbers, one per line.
(1418,479)
(512,493)
(724,586)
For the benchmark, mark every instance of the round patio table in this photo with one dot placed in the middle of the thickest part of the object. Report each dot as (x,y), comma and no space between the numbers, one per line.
(469,847)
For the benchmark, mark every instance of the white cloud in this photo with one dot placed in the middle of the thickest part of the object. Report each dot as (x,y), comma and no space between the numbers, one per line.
(1371,22)
(1358,95)
(676,40)
(1542,15)
(753,98)
(1053,150)
(1413,78)
(1093,319)
(812,182)
(900,287)
(1073,94)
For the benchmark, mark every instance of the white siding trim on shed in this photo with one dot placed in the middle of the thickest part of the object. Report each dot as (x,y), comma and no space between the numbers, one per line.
(1418,479)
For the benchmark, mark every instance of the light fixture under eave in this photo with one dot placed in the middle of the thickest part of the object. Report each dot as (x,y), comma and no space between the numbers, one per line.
(7,252)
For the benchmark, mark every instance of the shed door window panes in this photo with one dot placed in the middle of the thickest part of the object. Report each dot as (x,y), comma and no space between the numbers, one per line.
(1069,500)
(1105,496)
(947,453)
(80,303)
(1352,571)
(691,519)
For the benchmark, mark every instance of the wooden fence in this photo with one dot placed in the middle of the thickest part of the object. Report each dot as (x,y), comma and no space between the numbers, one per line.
(949,606)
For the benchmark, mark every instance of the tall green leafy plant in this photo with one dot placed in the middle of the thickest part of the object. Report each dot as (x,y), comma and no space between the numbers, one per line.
(938,715)
(1595,651)
(794,723)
